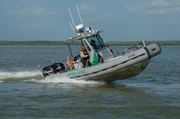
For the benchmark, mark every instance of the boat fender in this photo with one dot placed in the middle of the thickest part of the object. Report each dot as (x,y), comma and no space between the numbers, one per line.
(154,49)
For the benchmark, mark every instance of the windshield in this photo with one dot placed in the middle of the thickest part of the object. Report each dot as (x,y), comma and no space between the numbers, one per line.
(96,41)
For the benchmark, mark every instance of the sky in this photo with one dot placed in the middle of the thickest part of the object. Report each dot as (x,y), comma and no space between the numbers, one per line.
(121,20)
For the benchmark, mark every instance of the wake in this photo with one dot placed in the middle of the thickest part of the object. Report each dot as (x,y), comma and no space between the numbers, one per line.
(5,76)
(66,80)
(36,77)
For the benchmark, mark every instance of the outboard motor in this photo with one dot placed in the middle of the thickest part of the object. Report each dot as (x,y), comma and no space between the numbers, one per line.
(47,71)
(58,67)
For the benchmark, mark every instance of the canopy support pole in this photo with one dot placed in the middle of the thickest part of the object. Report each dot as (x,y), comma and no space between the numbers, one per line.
(70,50)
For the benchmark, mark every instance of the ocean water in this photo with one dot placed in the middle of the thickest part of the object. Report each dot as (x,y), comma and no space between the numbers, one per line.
(24,94)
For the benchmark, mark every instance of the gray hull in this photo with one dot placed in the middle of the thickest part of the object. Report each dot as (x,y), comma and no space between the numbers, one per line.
(121,67)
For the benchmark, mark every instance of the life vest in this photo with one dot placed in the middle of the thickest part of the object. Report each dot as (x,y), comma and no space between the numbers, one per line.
(71,62)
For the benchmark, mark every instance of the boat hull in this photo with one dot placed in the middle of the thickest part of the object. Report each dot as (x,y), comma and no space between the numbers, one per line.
(124,73)
(126,66)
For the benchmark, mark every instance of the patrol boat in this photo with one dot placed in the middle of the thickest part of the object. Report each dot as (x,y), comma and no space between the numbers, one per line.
(103,63)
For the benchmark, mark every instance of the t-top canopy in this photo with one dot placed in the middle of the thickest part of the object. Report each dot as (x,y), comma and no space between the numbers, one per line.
(85,34)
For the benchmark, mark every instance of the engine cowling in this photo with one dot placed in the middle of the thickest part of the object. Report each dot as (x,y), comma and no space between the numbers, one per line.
(47,71)
(53,69)
(58,67)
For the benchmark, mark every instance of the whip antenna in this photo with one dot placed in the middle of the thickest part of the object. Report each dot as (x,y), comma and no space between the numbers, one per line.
(71,15)
(71,26)
(79,14)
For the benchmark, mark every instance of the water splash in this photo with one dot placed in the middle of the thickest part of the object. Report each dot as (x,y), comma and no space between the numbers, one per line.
(18,75)
(36,77)
(65,80)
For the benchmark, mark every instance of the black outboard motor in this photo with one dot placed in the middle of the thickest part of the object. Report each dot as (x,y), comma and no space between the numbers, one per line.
(47,71)
(58,67)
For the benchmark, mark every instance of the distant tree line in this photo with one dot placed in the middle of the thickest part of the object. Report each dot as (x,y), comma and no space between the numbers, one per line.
(134,43)
(61,43)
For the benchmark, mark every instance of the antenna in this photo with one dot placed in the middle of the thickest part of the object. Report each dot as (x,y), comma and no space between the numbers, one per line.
(71,26)
(144,44)
(79,14)
(76,28)
(71,16)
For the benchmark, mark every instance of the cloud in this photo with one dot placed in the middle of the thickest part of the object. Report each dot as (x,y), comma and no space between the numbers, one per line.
(156,7)
(160,11)
(161,3)
(38,11)
(164,7)
(107,14)
(164,11)
(93,14)
(131,9)
(178,9)
(29,11)
(85,8)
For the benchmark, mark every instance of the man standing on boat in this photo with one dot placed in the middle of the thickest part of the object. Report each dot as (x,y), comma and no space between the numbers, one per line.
(84,56)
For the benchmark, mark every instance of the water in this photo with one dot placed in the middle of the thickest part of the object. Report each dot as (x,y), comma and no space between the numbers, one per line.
(154,94)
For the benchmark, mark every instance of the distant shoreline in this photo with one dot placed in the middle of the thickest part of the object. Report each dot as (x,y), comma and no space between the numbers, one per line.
(63,43)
